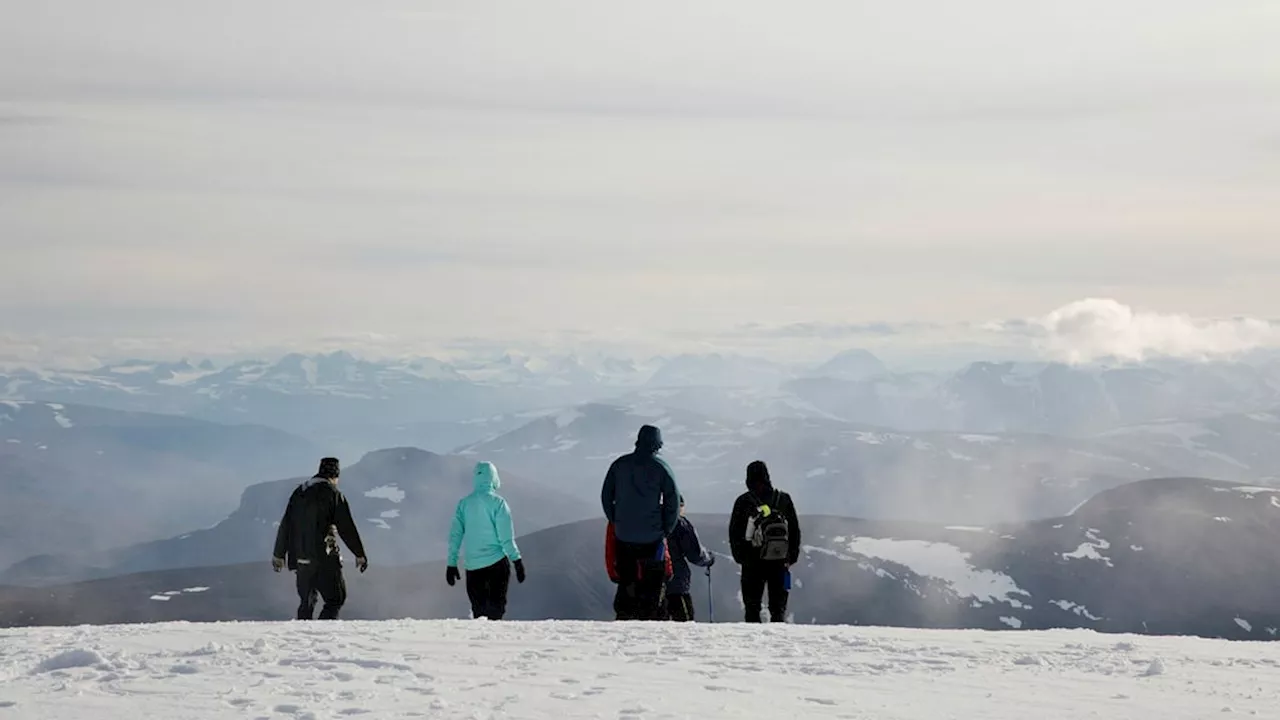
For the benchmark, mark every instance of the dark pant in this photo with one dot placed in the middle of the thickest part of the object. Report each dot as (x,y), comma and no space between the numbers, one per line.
(756,576)
(680,607)
(642,581)
(487,590)
(322,579)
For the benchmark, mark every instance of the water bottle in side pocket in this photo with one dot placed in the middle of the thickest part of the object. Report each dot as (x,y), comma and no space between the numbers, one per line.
(786,581)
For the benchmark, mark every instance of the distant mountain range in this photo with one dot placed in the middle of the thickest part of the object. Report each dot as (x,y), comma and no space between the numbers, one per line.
(1169,556)
(352,406)
(75,478)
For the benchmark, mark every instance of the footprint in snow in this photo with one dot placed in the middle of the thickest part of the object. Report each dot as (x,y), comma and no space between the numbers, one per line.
(821,701)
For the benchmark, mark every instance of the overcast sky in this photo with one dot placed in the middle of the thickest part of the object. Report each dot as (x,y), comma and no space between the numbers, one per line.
(237,171)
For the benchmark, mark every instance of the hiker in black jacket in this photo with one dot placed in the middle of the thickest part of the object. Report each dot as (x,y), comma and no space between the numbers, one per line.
(307,542)
(764,536)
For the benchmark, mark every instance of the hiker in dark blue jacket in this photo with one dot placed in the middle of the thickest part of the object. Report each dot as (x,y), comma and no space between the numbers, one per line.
(642,503)
(685,548)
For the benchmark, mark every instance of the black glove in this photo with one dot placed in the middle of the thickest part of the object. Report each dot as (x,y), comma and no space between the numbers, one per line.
(520,570)
(362,564)
(277,564)
(451,575)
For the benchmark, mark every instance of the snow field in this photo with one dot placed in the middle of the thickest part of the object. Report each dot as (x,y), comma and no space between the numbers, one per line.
(629,671)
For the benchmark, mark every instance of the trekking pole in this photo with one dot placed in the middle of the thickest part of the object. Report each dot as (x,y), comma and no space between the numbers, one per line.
(711,600)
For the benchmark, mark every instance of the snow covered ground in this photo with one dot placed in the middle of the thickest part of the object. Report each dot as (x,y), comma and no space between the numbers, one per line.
(478,669)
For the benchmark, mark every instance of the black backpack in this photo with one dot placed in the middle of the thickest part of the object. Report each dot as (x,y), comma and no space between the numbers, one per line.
(772,535)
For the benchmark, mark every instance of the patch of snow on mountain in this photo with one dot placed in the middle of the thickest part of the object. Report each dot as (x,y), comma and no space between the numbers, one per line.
(56,407)
(945,562)
(979,439)
(161,598)
(309,370)
(1223,519)
(565,445)
(13,404)
(59,418)
(1012,622)
(187,377)
(966,528)
(957,456)
(1244,624)
(1248,490)
(921,445)
(816,472)
(132,369)
(1080,610)
(1089,550)
(1264,417)
(391,514)
(379,522)
(386,492)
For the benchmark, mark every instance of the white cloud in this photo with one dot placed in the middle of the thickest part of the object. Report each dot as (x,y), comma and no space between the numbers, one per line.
(1096,328)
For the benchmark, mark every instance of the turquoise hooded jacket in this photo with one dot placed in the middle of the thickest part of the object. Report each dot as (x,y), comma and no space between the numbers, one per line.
(483,523)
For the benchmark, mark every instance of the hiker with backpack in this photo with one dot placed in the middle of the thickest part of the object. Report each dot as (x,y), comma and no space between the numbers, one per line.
(642,505)
(307,542)
(764,536)
(482,522)
(685,548)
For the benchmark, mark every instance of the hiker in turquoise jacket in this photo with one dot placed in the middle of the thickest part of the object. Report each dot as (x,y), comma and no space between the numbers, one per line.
(482,522)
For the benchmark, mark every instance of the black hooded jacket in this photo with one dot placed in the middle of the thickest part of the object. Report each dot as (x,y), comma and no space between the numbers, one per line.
(314,507)
(744,508)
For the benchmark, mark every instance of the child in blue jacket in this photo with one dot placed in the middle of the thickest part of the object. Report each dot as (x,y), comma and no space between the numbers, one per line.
(685,548)
(482,522)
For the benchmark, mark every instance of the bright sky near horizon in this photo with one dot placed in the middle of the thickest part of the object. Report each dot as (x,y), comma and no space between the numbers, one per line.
(183,169)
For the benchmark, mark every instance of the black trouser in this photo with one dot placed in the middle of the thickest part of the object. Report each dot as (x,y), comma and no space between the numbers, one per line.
(323,579)
(680,607)
(642,581)
(487,590)
(761,574)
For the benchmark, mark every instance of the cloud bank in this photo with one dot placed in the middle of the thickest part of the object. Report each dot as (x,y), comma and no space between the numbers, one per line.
(1098,328)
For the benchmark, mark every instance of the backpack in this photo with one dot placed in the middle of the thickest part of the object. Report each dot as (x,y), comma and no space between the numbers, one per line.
(771,535)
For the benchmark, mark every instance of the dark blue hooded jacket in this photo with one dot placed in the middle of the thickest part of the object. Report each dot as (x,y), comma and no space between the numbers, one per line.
(639,495)
(685,548)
